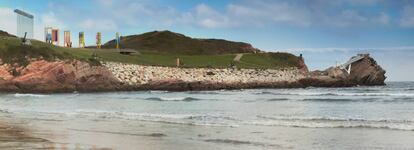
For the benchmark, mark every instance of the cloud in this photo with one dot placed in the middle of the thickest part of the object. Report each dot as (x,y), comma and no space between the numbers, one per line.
(208,17)
(106,2)
(383,18)
(407,19)
(98,25)
(343,49)
(112,15)
(8,20)
(313,13)
(47,19)
(260,12)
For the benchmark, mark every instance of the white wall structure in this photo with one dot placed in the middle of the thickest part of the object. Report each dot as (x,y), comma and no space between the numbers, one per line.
(24,24)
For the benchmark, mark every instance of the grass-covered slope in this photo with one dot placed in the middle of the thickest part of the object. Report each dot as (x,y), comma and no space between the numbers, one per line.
(3,33)
(11,51)
(170,42)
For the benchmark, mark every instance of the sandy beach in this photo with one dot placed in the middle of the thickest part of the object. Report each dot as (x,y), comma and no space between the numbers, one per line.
(20,136)
(254,119)
(13,137)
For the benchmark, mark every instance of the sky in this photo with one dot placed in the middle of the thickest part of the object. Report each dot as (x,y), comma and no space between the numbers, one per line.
(324,31)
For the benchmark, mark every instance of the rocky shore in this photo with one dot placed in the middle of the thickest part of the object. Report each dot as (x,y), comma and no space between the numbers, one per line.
(41,76)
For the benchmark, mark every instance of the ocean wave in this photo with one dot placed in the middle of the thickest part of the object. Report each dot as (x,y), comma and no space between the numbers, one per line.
(186,119)
(122,133)
(278,99)
(240,142)
(332,122)
(158,92)
(265,93)
(396,99)
(338,94)
(206,92)
(332,119)
(187,99)
(337,125)
(29,95)
(330,100)
(333,99)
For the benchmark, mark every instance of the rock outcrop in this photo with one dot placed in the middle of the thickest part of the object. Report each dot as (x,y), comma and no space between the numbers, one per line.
(365,71)
(58,76)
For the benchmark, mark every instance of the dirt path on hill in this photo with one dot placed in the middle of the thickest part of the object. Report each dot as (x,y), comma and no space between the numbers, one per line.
(238,57)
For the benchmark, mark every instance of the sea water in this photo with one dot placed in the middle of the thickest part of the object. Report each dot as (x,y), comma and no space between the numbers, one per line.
(378,117)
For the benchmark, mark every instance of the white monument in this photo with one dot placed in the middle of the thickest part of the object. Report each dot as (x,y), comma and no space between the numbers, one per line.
(24,24)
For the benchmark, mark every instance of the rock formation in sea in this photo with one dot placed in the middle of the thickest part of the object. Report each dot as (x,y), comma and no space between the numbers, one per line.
(367,72)
(364,71)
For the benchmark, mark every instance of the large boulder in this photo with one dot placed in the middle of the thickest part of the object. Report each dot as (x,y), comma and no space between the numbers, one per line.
(367,72)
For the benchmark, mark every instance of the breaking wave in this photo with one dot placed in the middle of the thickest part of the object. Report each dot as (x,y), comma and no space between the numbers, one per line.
(187,99)
(186,119)
(278,99)
(240,142)
(335,94)
(332,122)
(29,95)
(206,92)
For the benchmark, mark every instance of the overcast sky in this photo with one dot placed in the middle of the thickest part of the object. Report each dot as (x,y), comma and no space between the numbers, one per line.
(325,31)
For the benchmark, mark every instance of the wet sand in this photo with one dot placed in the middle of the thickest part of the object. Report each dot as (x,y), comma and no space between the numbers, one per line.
(103,134)
(15,137)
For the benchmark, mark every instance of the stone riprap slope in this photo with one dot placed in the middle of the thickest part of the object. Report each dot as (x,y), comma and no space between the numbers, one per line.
(140,75)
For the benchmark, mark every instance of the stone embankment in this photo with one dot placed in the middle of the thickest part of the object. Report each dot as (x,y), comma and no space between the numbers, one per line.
(138,75)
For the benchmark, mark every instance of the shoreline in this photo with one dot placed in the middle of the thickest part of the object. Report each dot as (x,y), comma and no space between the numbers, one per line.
(59,76)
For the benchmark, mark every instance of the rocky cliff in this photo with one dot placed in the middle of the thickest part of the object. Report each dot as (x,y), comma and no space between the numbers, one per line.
(57,76)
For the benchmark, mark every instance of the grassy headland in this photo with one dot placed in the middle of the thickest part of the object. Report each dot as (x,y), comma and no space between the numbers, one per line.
(170,42)
(11,51)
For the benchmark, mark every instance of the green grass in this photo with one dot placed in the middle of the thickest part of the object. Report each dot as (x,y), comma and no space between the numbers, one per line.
(176,43)
(11,51)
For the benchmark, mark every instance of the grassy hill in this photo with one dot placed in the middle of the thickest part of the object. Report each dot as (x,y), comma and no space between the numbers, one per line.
(11,51)
(170,42)
(3,33)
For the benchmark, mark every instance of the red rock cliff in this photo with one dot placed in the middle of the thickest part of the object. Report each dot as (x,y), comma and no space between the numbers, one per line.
(57,76)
